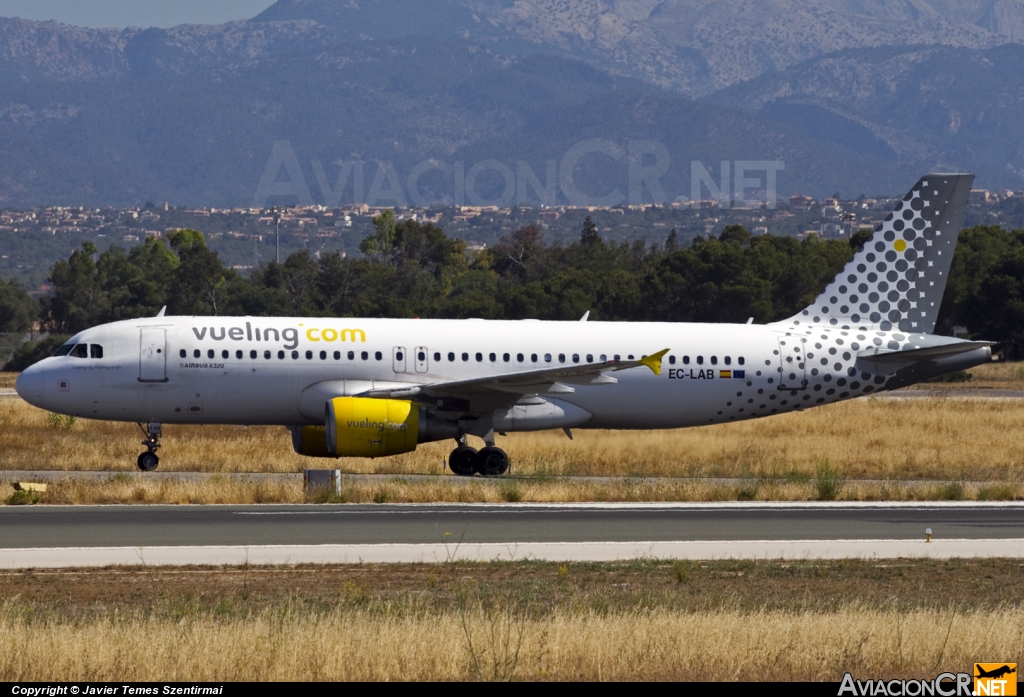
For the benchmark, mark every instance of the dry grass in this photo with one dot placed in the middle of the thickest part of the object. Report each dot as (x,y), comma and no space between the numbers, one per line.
(137,489)
(641,619)
(7,380)
(490,643)
(942,438)
(996,375)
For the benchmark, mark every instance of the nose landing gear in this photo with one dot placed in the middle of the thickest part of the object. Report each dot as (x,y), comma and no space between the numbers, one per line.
(148,461)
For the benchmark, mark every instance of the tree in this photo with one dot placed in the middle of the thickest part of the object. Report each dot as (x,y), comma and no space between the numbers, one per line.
(380,243)
(672,241)
(589,234)
(735,233)
(860,238)
(199,281)
(17,309)
(78,300)
(34,351)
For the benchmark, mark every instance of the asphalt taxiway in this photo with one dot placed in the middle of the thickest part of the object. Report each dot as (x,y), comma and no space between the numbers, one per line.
(47,536)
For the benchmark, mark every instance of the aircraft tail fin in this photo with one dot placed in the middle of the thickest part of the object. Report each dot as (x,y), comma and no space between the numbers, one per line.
(897,279)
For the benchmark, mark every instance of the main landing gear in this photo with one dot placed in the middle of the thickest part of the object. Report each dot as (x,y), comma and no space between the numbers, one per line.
(466,461)
(148,461)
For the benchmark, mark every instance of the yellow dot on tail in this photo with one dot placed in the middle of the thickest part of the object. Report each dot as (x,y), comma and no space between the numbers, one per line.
(900,245)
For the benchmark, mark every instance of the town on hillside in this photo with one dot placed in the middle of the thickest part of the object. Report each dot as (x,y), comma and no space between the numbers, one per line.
(245,238)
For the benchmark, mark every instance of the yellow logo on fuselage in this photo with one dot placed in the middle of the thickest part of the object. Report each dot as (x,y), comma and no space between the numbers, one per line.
(330,334)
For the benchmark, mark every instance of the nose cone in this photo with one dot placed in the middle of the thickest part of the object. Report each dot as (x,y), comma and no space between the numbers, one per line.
(30,385)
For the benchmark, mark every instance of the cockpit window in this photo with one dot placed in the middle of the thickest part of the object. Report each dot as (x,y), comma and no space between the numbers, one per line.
(80,351)
(96,351)
(64,350)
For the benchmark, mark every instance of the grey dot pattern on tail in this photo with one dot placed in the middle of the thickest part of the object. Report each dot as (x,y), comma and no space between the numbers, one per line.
(895,282)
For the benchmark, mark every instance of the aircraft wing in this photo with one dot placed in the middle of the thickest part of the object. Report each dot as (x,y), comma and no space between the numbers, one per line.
(889,362)
(544,380)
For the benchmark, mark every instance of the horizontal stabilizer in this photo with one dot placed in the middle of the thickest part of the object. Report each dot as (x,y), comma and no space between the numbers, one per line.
(888,363)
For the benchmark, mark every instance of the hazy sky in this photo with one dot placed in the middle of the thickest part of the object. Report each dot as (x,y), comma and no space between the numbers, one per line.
(138,13)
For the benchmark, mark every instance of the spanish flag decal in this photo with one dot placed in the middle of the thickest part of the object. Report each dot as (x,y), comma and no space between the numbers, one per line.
(725,373)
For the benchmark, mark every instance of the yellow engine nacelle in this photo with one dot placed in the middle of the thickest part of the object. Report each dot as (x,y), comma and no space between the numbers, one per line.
(363,427)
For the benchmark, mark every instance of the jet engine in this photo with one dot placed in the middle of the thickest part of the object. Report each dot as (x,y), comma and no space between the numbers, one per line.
(363,427)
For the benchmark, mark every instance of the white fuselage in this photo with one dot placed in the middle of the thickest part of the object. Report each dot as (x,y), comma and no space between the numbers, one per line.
(251,370)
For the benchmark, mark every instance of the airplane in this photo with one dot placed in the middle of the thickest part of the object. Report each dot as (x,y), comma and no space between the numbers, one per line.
(358,387)
(994,673)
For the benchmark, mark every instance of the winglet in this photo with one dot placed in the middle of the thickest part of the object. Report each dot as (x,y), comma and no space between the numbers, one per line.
(654,361)
(585,316)
(162,311)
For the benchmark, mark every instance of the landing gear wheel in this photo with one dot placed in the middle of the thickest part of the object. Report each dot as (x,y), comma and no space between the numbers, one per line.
(463,460)
(492,461)
(148,461)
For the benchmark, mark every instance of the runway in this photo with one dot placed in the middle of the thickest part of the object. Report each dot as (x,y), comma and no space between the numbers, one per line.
(98,535)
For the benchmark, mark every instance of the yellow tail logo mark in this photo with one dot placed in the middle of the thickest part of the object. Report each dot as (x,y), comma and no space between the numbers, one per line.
(654,361)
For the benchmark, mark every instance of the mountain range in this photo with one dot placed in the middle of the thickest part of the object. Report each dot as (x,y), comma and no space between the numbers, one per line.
(858,96)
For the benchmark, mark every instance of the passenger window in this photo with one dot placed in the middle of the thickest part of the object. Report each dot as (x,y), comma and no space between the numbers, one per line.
(266,355)
(66,349)
(465,356)
(295,355)
(616,356)
(364,355)
(239,354)
(740,359)
(280,355)
(533,357)
(686,360)
(672,360)
(323,355)
(479,357)
(506,357)
(604,357)
(309,355)
(337,355)
(630,356)
(590,358)
(351,355)
(399,356)
(80,351)
(437,356)
(700,360)
(378,355)
(253,354)
(547,357)
(196,353)
(520,357)
(575,358)
(728,360)
(210,353)
(714,360)
(183,353)
(421,356)
(561,358)
(492,358)
(225,354)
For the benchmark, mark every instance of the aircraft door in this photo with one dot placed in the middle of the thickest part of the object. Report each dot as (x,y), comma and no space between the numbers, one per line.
(398,359)
(153,354)
(422,359)
(792,361)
